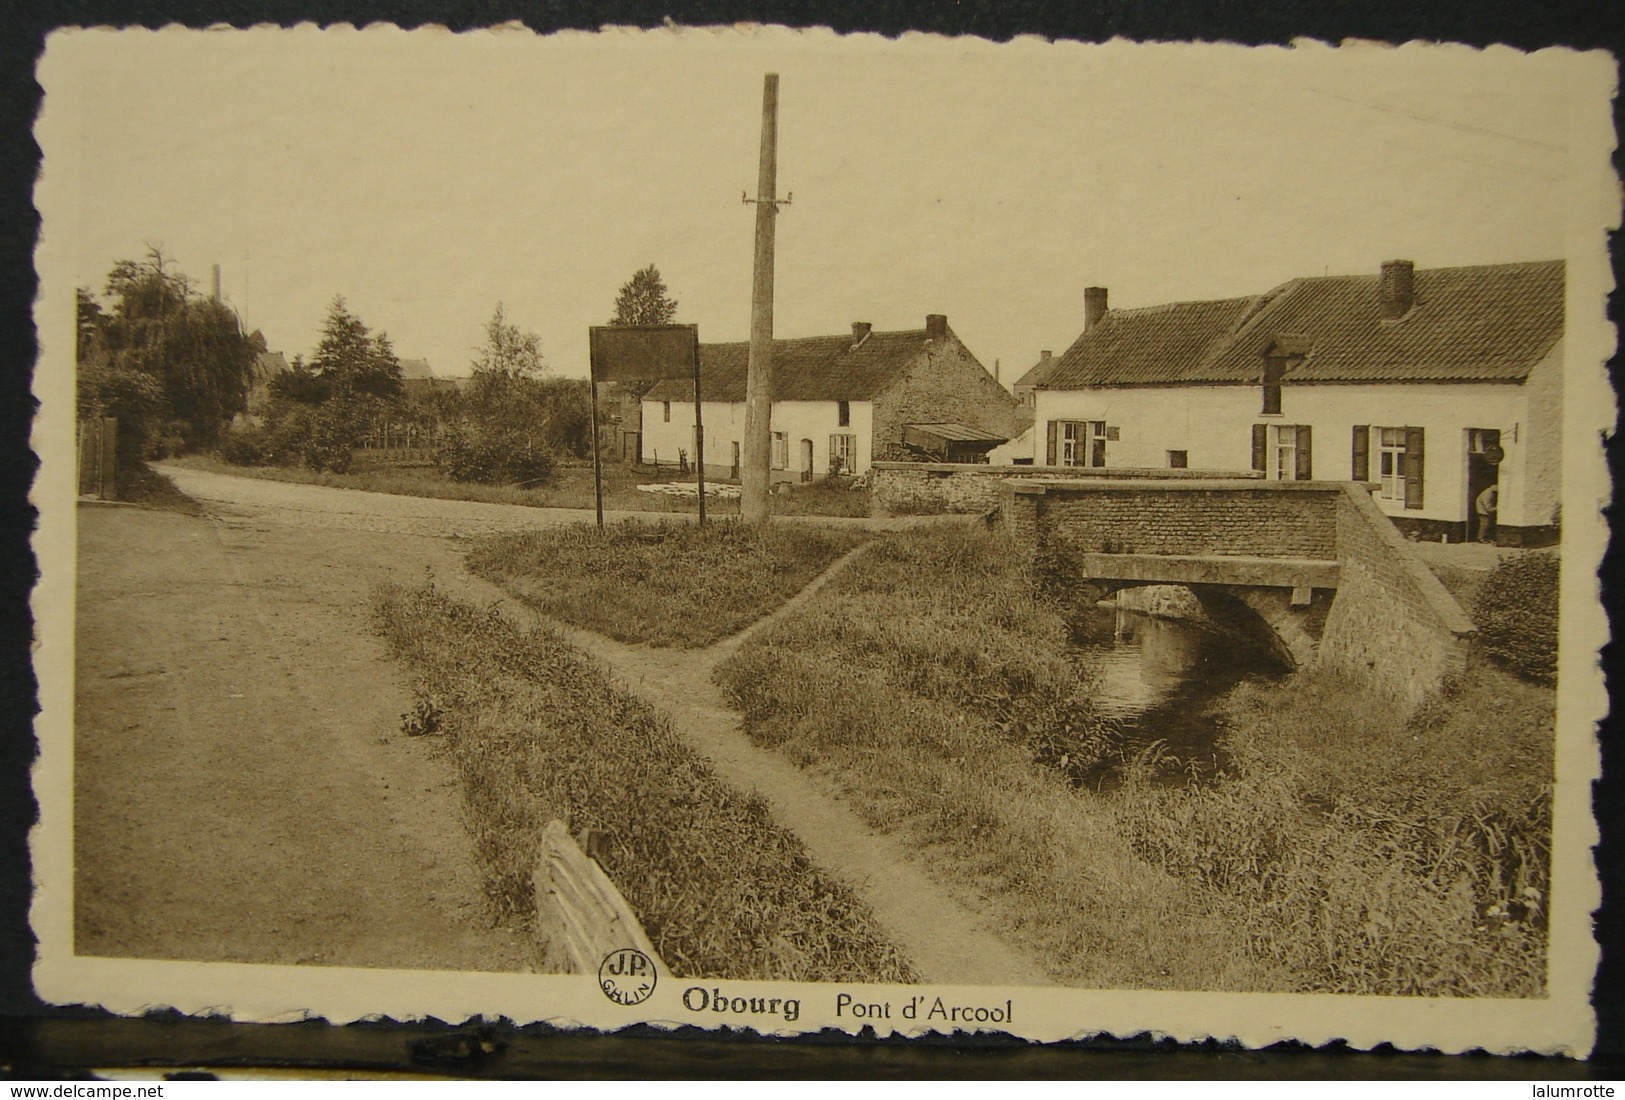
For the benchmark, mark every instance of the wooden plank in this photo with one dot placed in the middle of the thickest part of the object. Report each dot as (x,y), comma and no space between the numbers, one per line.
(576,898)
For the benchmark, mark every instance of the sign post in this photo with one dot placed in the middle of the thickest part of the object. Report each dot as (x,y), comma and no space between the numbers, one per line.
(626,353)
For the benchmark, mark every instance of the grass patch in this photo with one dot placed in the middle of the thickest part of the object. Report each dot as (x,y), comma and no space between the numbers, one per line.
(667,584)
(141,484)
(924,686)
(380,471)
(539,732)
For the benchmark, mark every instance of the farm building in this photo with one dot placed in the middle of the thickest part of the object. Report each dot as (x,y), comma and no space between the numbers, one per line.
(1437,385)
(839,403)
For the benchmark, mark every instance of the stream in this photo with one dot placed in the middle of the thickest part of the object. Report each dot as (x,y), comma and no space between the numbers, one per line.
(1155,680)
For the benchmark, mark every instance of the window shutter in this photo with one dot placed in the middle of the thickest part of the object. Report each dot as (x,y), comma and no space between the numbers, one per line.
(1054,442)
(1360,467)
(1260,444)
(1305,471)
(1112,434)
(1413,467)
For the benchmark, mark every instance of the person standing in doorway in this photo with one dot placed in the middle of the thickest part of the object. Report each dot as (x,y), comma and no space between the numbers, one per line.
(1485,506)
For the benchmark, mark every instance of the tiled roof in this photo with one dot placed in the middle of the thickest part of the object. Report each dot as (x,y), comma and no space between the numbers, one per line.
(1159,344)
(1035,374)
(416,369)
(267,365)
(813,368)
(1475,324)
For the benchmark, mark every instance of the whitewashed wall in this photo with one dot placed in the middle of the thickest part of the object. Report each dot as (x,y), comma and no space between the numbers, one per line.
(1214,425)
(725,426)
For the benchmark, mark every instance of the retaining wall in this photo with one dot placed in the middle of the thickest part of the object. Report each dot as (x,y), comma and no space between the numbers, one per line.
(1392,622)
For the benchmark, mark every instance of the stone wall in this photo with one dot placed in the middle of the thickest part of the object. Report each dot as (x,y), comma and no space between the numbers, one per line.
(945,385)
(1392,623)
(938,488)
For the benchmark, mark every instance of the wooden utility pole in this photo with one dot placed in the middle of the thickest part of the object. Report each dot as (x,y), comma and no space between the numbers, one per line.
(755,470)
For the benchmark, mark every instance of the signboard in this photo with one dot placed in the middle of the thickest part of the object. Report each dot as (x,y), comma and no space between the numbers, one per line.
(628,353)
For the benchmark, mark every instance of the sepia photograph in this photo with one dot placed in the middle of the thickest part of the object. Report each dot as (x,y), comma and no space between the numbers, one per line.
(768,529)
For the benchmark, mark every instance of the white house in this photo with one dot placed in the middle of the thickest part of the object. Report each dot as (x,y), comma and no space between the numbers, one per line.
(1437,385)
(839,403)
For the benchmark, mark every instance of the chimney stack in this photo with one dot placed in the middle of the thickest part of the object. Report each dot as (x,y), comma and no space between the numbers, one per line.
(1043,356)
(1397,293)
(1094,306)
(217,282)
(860,332)
(936,326)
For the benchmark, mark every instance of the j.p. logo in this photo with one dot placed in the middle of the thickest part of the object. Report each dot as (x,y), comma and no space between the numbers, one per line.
(627,976)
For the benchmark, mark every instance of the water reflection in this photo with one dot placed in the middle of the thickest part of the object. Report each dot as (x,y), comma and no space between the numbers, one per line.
(1154,681)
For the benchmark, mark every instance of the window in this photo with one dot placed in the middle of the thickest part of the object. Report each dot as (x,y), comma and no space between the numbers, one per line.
(843,413)
(781,451)
(1178,460)
(1079,442)
(1399,453)
(1283,452)
(665,411)
(841,446)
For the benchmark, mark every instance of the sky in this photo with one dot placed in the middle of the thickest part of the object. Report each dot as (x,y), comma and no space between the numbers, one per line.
(427,176)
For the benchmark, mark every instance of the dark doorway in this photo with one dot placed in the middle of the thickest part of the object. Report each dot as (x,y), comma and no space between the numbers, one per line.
(1483,474)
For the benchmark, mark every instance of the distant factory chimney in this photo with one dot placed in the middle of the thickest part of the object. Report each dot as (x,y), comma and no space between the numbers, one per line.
(217,282)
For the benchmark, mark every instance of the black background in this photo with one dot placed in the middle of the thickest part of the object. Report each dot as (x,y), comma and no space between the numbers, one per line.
(37,1040)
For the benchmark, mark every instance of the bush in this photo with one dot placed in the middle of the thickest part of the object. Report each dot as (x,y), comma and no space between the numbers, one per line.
(1516,614)
(331,440)
(494,456)
(245,447)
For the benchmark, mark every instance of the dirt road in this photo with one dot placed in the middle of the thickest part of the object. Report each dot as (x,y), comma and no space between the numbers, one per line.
(244,791)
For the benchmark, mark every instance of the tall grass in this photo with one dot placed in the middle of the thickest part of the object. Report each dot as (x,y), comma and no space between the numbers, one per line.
(1371,854)
(538,732)
(924,686)
(669,584)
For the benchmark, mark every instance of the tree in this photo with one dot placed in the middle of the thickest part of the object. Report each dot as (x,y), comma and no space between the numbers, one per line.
(509,351)
(161,359)
(352,360)
(643,300)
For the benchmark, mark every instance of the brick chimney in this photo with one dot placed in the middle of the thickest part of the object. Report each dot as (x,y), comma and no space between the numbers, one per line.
(936,326)
(1094,306)
(1044,356)
(860,332)
(1396,295)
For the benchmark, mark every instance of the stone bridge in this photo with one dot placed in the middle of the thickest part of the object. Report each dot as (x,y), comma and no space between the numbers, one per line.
(1311,568)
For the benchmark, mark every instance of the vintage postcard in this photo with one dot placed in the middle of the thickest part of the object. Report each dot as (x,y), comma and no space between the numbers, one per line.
(766,529)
